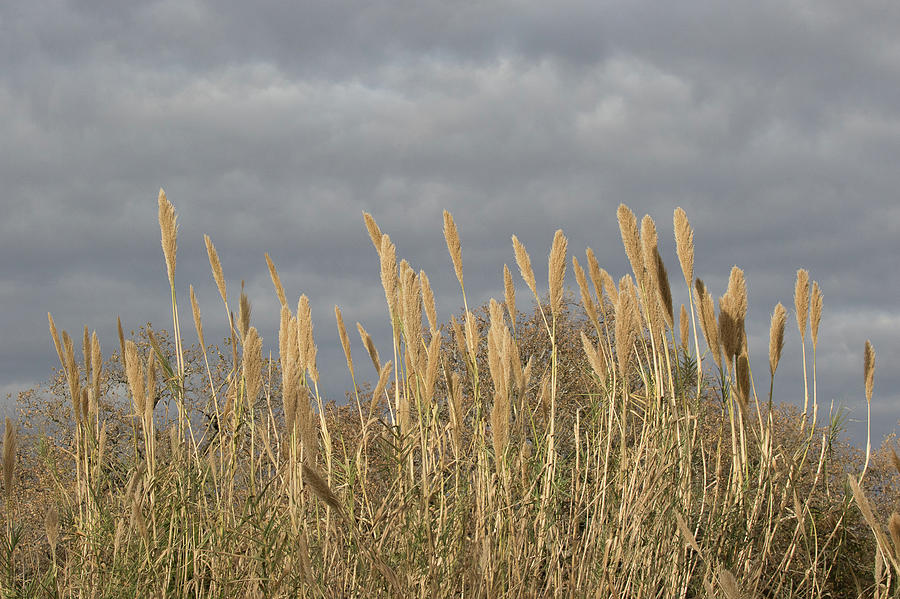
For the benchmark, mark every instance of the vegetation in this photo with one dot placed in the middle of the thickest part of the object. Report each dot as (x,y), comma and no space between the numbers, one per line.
(585,448)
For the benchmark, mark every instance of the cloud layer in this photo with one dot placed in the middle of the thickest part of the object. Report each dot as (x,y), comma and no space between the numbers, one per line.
(272,127)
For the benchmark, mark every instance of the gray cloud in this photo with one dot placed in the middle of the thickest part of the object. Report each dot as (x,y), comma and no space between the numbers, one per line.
(272,127)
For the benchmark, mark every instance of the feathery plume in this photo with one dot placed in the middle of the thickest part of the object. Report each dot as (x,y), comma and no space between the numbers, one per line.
(428,300)
(216,267)
(379,387)
(509,293)
(683,326)
(801,300)
(609,286)
(320,488)
(345,340)
(276,280)
(51,527)
(869,369)
(665,291)
(55,336)
(374,232)
(776,337)
(625,330)
(743,381)
(121,341)
(389,274)
(198,324)
(252,364)
(243,313)
(708,321)
(524,262)
(453,245)
(815,313)
(894,528)
(631,239)
(586,299)
(305,338)
(595,358)
(169,229)
(684,245)
(135,374)
(557,271)
(86,351)
(596,278)
(370,347)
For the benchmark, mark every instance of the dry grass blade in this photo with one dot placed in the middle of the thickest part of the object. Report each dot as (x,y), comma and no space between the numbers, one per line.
(276,280)
(168,228)
(894,529)
(453,245)
(684,245)
(557,270)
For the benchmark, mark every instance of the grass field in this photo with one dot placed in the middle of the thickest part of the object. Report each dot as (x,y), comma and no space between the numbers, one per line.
(600,443)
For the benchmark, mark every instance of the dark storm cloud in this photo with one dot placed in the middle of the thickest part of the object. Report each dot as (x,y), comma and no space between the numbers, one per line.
(272,126)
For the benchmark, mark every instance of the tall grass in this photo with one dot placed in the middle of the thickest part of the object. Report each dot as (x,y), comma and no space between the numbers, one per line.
(577,450)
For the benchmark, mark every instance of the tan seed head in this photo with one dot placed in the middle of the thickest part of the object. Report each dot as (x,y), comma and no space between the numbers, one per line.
(684,245)
(524,262)
(276,280)
(453,245)
(776,337)
(631,239)
(168,228)
(801,300)
(557,271)
(216,267)
(815,313)
(869,369)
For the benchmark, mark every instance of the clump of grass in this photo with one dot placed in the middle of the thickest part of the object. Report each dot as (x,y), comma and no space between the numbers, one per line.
(576,450)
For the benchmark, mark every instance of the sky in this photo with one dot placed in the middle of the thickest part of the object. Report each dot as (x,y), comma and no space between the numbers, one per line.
(272,126)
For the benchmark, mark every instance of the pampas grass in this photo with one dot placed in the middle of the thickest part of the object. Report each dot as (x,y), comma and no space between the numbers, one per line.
(570,448)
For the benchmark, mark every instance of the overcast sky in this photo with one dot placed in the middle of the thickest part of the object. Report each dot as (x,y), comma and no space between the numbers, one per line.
(274,125)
